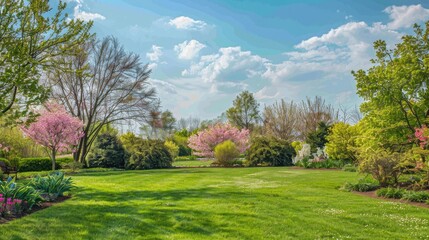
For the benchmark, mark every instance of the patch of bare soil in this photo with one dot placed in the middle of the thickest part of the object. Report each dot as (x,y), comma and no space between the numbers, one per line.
(39,207)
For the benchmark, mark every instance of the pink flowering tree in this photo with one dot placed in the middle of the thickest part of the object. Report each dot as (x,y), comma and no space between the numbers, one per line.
(204,142)
(422,134)
(56,130)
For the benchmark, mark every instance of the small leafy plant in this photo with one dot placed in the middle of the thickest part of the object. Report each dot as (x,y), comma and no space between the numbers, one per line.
(363,185)
(349,168)
(52,186)
(389,192)
(416,196)
(15,199)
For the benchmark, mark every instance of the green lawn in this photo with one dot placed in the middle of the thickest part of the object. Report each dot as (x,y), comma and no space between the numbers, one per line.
(195,163)
(216,203)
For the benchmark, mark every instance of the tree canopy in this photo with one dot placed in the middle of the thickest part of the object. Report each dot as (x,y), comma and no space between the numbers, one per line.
(32,36)
(244,113)
(395,88)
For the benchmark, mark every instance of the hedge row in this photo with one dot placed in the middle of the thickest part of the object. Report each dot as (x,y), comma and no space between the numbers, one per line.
(41,164)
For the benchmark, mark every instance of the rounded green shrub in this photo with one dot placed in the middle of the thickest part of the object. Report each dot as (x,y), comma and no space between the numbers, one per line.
(149,154)
(107,152)
(226,153)
(270,151)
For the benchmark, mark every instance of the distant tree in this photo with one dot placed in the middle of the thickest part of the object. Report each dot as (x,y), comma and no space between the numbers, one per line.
(317,138)
(168,121)
(190,124)
(312,112)
(56,130)
(204,142)
(153,124)
(211,122)
(281,120)
(32,36)
(103,85)
(244,113)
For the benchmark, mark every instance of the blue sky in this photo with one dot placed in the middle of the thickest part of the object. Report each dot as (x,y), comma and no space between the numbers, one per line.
(203,53)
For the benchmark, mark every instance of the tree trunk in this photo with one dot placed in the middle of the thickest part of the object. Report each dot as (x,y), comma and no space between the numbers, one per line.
(53,159)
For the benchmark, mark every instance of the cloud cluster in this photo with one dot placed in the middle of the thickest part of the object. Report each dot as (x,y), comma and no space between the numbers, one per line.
(406,16)
(229,64)
(320,64)
(83,15)
(188,49)
(154,56)
(187,23)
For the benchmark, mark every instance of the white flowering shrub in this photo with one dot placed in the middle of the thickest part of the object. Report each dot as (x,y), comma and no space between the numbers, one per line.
(303,153)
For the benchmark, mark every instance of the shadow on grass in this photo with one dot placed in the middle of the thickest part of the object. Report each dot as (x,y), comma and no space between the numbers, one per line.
(94,214)
(144,172)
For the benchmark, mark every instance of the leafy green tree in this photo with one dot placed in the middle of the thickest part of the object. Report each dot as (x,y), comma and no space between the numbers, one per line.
(395,90)
(168,121)
(317,138)
(32,36)
(341,143)
(244,113)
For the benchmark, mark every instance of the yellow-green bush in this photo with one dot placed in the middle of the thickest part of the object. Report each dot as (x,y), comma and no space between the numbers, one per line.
(172,148)
(226,153)
(341,143)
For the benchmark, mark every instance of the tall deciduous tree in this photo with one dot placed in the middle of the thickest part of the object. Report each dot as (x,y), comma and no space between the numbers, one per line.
(281,120)
(104,85)
(312,112)
(244,113)
(56,130)
(190,124)
(395,89)
(32,36)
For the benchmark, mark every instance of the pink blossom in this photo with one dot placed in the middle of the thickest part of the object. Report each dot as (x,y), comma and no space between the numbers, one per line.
(55,129)
(422,135)
(204,142)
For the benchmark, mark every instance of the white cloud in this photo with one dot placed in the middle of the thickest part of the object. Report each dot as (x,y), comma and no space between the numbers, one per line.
(188,50)
(83,15)
(155,54)
(187,23)
(324,62)
(229,64)
(152,65)
(163,86)
(406,16)
(266,93)
(346,48)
